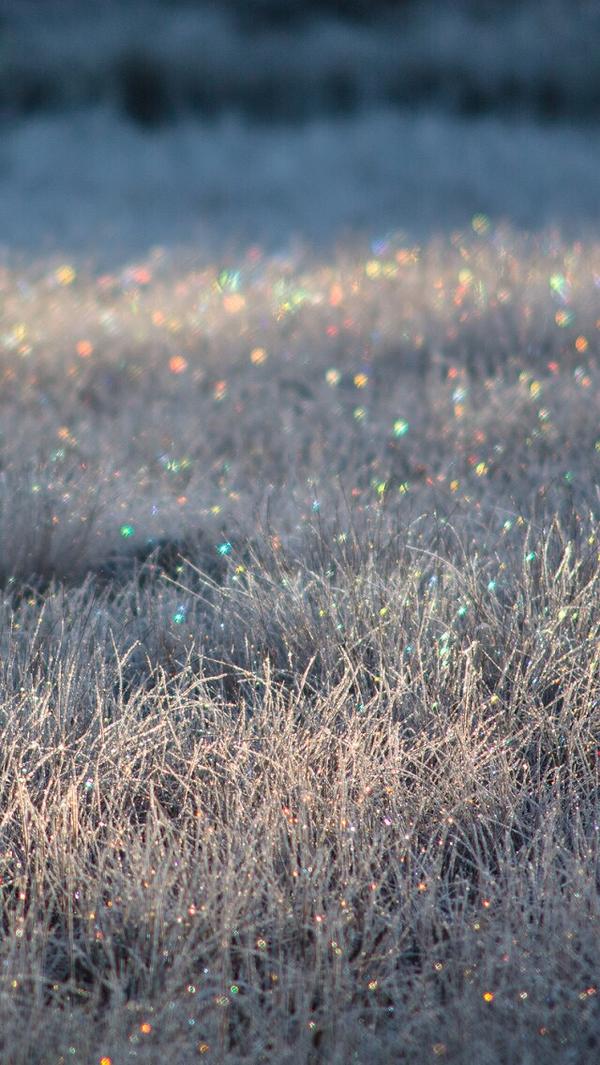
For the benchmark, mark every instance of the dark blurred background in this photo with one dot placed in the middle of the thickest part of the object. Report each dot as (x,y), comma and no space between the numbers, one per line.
(287,60)
(382,112)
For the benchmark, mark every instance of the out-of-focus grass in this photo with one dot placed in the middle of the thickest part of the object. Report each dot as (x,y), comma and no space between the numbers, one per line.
(299,757)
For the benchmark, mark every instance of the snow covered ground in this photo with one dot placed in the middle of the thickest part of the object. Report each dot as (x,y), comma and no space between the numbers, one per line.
(127,125)
(89,183)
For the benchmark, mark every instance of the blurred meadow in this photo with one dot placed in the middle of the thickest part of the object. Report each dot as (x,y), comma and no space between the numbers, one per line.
(299,567)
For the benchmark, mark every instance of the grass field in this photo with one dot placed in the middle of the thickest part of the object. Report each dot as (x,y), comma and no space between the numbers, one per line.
(299,670)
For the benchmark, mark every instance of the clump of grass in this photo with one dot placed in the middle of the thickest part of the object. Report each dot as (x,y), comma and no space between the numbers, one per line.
(300,738)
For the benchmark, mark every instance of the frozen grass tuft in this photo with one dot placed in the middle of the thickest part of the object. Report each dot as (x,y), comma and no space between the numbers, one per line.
(299,713)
